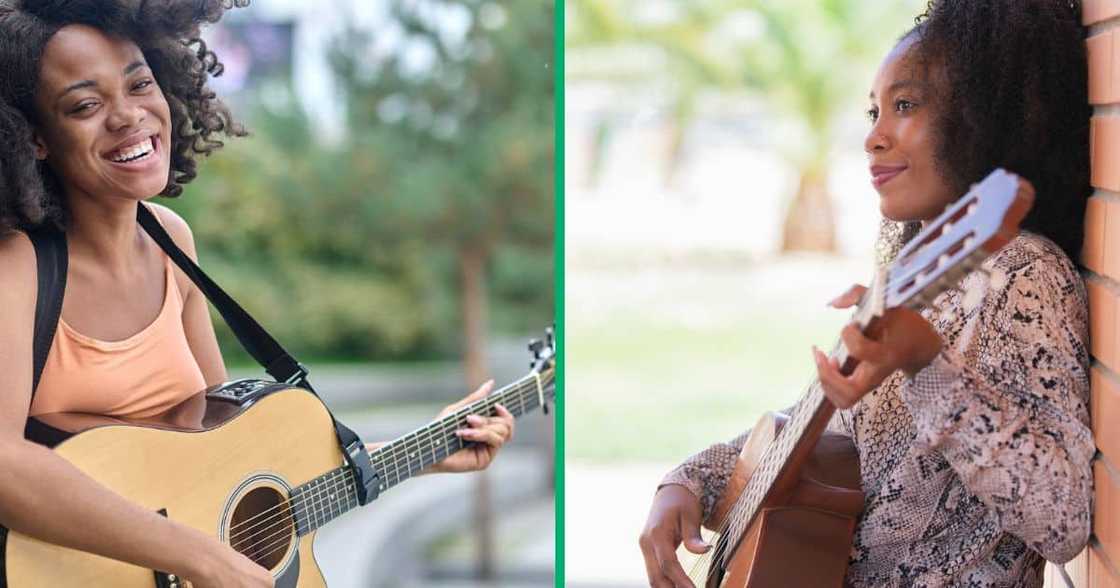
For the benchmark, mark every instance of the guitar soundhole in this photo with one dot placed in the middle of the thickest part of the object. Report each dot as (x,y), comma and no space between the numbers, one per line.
(261,527)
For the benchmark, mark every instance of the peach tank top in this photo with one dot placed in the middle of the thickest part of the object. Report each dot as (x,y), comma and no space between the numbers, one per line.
(137,377)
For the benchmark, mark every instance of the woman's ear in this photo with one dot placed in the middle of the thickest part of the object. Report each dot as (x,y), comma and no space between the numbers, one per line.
(39,146)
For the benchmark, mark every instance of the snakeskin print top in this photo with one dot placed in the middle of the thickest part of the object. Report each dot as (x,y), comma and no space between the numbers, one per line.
(978,467)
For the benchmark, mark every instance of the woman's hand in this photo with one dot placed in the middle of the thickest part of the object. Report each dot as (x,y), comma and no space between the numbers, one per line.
(223,567)
(488,433)
(673,518)
(906,341)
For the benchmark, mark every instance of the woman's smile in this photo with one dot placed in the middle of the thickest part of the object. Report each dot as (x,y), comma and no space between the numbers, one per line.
(881,174)
(139,154)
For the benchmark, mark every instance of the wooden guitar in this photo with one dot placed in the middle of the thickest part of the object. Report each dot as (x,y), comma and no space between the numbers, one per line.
(789,511)
(255,463)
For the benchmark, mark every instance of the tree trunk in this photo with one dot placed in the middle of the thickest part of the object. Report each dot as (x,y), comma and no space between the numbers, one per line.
(472,270)
(810,224)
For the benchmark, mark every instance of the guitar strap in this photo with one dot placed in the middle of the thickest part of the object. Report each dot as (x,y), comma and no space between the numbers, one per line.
(50,249)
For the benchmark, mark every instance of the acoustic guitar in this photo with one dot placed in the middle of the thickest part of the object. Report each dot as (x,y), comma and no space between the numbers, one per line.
(255,463)
(788,513)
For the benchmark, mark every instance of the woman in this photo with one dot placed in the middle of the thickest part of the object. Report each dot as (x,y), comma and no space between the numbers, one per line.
(104,105)
(971,420)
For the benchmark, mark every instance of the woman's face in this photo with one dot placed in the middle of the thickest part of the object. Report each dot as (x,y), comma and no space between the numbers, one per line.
(901,144)
(104,125)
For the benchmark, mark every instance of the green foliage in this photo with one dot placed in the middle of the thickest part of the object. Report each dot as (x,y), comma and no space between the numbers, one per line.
(348,250)
(806,57)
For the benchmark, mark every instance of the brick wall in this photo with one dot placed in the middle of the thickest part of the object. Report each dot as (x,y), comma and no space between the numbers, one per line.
(1099,565)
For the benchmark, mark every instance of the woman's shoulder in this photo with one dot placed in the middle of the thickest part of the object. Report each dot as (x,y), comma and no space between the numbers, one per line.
(1033,266)
(20,276)
(1034,253)
(17,259)
(176,226)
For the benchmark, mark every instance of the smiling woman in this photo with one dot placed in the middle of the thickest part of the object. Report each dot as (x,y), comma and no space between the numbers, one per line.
(103,105)
(969,418)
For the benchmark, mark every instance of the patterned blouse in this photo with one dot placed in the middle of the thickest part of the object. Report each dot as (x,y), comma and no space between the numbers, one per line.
(978,467)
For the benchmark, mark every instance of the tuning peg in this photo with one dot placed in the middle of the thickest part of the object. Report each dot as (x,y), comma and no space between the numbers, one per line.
(549,337)
(535,346)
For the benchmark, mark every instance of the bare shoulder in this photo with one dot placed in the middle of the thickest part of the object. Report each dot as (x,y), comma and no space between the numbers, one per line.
(17,324)
(17,262)
(177,227)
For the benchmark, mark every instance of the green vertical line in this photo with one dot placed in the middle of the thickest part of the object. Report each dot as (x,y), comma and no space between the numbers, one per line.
(558,130)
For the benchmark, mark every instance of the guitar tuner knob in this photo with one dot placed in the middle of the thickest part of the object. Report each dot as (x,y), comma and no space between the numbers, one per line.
(536,345)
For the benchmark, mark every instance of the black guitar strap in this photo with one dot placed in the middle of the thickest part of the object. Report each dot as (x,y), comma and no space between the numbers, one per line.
(50,249)
(51,260)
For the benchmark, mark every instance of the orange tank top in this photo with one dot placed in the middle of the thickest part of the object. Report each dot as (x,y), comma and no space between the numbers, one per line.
(137,377)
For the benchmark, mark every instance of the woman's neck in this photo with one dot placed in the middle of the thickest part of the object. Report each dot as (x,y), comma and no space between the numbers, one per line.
(105,230)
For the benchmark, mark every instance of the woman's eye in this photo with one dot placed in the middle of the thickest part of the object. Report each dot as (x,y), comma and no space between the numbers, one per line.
(903,105)
(873,114)
(142,84)
(83,107)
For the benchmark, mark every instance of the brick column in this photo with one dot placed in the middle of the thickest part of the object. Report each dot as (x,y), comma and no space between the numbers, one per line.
(1099,565)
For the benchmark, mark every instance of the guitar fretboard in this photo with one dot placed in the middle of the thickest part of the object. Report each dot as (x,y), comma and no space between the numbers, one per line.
(331,495)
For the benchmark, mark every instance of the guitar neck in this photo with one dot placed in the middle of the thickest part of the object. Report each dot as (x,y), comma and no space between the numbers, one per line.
(332,494)
(807,422)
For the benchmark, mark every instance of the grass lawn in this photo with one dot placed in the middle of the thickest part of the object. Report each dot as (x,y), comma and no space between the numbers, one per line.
(663,360)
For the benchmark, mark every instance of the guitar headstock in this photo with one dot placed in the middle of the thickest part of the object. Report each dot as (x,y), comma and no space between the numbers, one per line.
(544,352)
(957,242)
(544,365)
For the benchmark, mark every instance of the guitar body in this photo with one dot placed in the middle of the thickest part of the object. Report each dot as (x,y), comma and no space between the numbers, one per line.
(207,464)
(802,535)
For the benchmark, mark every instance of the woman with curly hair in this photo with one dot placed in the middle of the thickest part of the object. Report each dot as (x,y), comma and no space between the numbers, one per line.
(970,418)
(103,105)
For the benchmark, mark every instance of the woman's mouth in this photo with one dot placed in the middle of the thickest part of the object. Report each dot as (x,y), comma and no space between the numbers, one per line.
(137,156)
(882,175)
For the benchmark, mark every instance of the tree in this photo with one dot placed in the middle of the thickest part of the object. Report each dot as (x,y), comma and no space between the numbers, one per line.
(798,54)
(468,138)
(438,200)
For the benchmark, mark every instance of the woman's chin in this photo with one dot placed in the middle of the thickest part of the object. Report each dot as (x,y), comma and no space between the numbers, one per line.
(891,212)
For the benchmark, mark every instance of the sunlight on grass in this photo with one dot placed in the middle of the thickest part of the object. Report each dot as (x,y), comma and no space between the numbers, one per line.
(663,361)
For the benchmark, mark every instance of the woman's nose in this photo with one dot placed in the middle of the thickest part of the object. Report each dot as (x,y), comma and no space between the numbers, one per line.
(124,115)
(876,140)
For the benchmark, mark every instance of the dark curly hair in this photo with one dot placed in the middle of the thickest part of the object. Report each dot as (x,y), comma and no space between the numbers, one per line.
(1015,95)
(167,31)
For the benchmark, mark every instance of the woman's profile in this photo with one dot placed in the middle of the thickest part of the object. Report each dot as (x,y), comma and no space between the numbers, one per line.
(971,417)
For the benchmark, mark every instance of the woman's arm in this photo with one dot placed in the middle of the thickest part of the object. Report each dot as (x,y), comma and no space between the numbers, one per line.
(196,313)
(1007,406)
(44,496)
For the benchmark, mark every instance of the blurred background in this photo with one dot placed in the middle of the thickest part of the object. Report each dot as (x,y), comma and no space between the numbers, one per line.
(716,197)
(390,221)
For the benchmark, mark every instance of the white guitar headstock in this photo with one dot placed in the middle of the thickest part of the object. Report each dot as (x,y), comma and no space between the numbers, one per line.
(957,242)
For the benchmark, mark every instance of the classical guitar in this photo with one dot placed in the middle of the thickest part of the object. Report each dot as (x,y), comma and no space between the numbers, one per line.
(256,463)
(789,511)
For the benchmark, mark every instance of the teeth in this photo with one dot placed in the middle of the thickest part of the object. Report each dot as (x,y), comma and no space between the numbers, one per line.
(135,152)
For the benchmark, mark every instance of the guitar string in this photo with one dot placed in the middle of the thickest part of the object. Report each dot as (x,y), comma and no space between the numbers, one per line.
(317,493)
(737,517)
(740,517)
(283,534)
(314,491)
(751,501)
(775,456)
(240,526)
(491,400)
(526,392)
(280,537)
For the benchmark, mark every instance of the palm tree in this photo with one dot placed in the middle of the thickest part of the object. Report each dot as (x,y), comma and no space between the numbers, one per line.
(805,57)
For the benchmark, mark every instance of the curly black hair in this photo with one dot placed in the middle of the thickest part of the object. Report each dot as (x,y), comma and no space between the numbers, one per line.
(166,31)
(1015,96)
